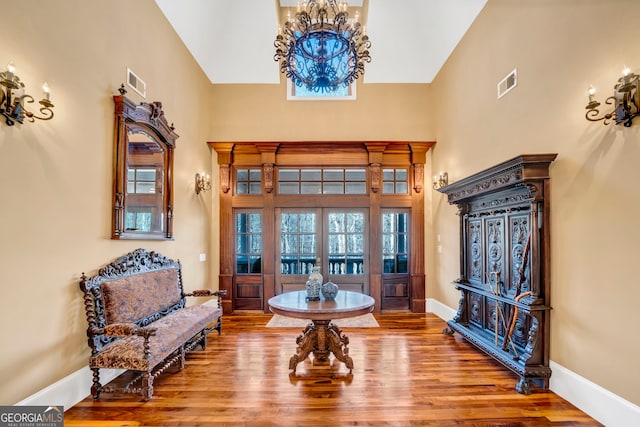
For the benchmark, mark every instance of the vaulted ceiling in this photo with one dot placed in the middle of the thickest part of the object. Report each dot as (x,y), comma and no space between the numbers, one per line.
(232,40)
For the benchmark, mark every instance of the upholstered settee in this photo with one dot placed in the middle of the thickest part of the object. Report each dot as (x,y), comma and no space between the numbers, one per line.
(138,319)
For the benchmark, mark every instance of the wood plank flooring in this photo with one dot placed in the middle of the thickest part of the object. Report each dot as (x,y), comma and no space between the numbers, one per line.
(406,373)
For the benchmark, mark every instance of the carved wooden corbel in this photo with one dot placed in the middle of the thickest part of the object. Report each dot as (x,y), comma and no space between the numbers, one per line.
(375,176)
(224,178)
(267,169)
(418,177)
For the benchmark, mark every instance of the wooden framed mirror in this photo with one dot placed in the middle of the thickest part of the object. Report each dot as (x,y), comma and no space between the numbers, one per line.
(142,171)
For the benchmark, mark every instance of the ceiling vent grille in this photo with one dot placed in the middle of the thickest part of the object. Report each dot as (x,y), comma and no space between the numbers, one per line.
(507,83)
(136,83)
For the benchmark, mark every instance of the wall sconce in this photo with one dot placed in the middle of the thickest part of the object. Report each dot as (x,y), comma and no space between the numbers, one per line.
(440,181)
(625,101)
(203,183)
(13,98)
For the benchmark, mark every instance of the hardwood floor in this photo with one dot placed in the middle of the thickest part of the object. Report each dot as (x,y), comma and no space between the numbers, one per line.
(406,373)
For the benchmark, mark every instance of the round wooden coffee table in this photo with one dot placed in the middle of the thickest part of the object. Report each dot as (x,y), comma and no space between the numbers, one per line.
(321,336)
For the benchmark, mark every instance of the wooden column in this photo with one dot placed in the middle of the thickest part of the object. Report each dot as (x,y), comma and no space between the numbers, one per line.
(376,150)
(268,159)
(417,280)
(225,152)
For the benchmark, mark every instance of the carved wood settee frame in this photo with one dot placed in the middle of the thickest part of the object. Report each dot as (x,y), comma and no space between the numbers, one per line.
(138,319)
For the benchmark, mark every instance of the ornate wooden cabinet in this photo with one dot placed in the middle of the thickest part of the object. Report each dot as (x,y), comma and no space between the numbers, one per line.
(504,265)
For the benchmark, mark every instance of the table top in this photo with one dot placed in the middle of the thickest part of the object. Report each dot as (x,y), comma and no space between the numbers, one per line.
(346,304)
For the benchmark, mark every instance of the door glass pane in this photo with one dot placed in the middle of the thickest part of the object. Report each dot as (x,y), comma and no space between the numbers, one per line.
(297,243)
(346,243)
(255,223)
(395,242)
(248,243)
(336,244)
(308,223)
(336,222)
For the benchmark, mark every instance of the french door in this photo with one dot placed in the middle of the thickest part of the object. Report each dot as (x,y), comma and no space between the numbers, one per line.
(333,238)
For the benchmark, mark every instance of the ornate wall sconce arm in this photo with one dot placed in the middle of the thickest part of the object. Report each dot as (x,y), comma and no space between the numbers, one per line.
(625,102)
(13,100)
(203,183)
(440,181)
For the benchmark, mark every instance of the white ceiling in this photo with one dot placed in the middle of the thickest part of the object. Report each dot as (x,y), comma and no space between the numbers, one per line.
(232,40)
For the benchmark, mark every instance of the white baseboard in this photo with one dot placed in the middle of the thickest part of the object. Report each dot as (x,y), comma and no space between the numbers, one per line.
(444,312)
(606,407)
(69,390)
(601,404)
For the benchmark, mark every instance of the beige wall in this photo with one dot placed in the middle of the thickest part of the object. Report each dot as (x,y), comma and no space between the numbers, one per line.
(56,175)
(381,112)
(559,48)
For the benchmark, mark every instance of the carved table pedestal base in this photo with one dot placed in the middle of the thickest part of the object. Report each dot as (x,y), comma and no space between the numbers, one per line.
(322,337)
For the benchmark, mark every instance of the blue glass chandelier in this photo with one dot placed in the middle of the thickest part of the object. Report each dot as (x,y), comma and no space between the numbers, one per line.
(321,49)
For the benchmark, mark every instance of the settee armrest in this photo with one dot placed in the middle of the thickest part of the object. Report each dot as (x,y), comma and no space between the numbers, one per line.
(127,329)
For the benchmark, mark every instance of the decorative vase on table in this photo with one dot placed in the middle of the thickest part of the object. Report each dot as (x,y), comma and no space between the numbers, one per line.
(314,283)
(329,290)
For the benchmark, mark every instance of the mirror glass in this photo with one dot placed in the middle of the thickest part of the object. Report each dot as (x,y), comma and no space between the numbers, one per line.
(143,172)
(144,211)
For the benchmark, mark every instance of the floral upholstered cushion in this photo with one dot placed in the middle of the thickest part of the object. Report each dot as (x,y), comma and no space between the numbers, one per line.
(173,331)
(134,297)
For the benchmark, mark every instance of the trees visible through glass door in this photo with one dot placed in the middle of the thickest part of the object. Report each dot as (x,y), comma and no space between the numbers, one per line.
(340,251)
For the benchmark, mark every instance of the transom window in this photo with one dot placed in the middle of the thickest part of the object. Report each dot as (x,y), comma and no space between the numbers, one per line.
(395,181)
(322,181)
(301,93)
(248,181)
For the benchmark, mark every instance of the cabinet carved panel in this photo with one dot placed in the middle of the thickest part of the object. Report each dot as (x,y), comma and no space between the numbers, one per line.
(504,265)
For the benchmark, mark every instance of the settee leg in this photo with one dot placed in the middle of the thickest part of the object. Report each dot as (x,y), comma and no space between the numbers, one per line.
(203,340)
(96,387)
(147,386)
(182,353)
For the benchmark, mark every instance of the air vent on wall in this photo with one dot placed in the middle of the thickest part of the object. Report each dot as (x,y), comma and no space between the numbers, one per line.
(136,83)
(507,83)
